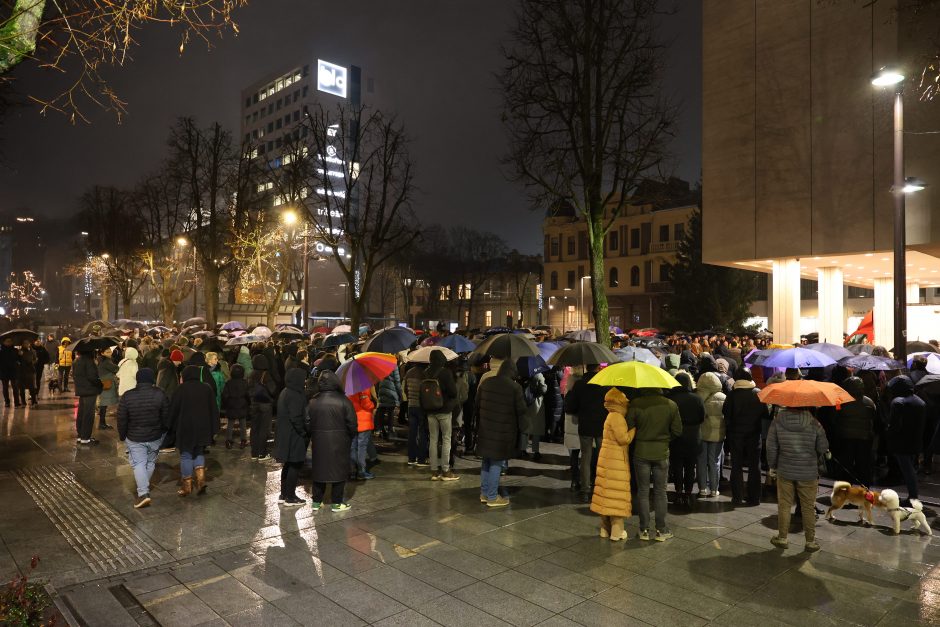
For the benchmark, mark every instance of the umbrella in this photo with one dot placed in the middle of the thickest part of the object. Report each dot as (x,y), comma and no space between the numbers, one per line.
(584,335)
(547,349)
(798,358)
(496,331)
(159,328)
(19,335)
(365,370)
(338,339)
(323,330)
(758,357)
(933,361)
(805,393)
(634,374)
(342,328)
(635,353)
(243,340)
(458,344)
(233,325)
(616,330)
(112,333)
(391,340)
(929,384)
(93,344)
(95,326)
(531,365)
(869,362)
(920,347)
(507,346)
(192,329)
(831,350)
(190,322)
(263,331)
(582,354)
(204,334)
(423,355)
(132,324)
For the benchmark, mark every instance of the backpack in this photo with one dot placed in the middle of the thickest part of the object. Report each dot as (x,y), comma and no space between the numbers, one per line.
(430,396)
(463,389)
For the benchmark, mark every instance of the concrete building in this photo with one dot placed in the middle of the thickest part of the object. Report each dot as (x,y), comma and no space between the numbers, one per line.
(797,157)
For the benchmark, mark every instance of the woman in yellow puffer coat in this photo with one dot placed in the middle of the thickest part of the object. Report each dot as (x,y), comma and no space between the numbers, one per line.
(612,488)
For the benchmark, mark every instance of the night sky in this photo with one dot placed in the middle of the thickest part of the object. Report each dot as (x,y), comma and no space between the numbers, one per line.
(433,62)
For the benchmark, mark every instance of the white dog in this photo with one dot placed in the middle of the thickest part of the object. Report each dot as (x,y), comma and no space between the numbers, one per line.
(891,502)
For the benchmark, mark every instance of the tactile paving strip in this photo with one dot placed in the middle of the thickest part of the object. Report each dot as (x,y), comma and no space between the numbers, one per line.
(104,538)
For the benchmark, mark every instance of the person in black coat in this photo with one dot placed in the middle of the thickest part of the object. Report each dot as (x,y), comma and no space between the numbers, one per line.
(42,360)
(586,402)
(194,416)
(290,439)
(9,361)
(684,450)
(332,424)
(143,419)
(744,414)
(235,403)
(906,416)
(199,359)
(500,413)
(554,405)
(262,390)
(87,388)
(853,430)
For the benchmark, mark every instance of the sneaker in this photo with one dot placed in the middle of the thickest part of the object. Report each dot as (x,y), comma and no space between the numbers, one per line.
(340,507)
(811,547)
(423,463)
(88,442)
(662,536)
(412,462)
(281,499)
(367,475)
(780,543)
(499,501)
(436,476)
(261,458)
(644,534)
(623,536)
(449,476)
(293,501)
(716,493)
(483,498)
(704,494)
(604,533)
(315,506)
(142,501)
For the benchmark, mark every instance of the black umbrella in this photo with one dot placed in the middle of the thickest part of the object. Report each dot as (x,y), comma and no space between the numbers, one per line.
(929,384)
(200,321)
(507,346)
(865,361)
(338,339)
(19,335)
(391,340)
(920,347)
(583,354)
(93,344)
(96,327)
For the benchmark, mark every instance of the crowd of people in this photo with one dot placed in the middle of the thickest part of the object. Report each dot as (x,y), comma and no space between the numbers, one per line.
(173,393)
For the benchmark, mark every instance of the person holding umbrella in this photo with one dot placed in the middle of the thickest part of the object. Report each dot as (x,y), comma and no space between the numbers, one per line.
(500,410)
(534,389)
(611,499)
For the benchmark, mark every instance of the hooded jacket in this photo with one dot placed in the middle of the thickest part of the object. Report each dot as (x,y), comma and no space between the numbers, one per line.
(743,411)
(906,417)
(244,360)
(657,421)
(500,412)
(290,438)
(389,389)
(612,487)
(856,420)
(143,413)
(85,376)
(168,376)
(364,406)
(127,371)
(534,423)
(587,403)
(671,363)
(262,387)
(709,390)
(235,397)
(205,373)
(794,443)
(692,413)
(108,371)
(437,369)
(194,415)
(331,422)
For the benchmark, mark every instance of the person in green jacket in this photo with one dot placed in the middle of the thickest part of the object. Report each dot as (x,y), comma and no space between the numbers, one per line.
(244,360)
(657,422)
(212,361)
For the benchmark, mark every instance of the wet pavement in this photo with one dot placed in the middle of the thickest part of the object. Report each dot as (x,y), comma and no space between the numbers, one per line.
(416,552)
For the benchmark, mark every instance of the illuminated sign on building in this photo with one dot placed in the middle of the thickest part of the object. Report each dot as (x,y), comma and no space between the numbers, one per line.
(331,78)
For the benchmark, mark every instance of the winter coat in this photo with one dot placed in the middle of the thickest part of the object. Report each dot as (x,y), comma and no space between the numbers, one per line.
(438,369)
(42,356)
(794,443)
(205,373)
(389,390)
(26,369)
(261,385)
(657,422)
(364,406)
(743,411)
(692,414)
(671,363)
(9,358)
(85,376)
(500,411)
(168,377)
(219,379)
(709,390)
(127,371)
(143,414)
(108,371)
(331,422)
(587,403)
(534,422)
(194,416)
(571,440)
(65,356)
(412,389)
(244,360)
(554,403)
(906,417)
(612,486)
(235,396)
(290,438)
(151,358)
(275,367)
(856,420)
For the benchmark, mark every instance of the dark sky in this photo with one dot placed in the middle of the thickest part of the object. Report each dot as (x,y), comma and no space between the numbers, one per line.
(433,63)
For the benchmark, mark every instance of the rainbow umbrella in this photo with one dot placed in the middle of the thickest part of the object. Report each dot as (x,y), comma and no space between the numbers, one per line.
(365,370)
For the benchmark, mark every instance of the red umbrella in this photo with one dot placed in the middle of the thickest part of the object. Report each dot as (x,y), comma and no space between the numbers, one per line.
(365,370)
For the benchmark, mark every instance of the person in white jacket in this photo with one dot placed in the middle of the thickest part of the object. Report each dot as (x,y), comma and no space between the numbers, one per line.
(127,371)
(713,434)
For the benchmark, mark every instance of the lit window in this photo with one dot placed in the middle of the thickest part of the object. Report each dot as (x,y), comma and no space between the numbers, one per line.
(296,76)
(489,318)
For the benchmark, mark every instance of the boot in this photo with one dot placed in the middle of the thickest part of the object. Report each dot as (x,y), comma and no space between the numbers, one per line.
(186,486)
(199,472)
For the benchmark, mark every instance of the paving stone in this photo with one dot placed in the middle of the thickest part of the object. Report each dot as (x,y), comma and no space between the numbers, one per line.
(362,600)
(531,589)
(226,595)
(434,573)
(400,586)
(264,615)
(560,577)
(465,562)
(591,614)
(97,606)
(312,608)
(453,612)
(503,605)
(143,585)
(177,606)
(408,618)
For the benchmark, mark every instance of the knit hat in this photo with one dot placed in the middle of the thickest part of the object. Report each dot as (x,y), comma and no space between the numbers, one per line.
(145,375)
(176,355)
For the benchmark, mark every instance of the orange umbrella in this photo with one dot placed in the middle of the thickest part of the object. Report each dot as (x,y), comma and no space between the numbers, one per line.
(805,393)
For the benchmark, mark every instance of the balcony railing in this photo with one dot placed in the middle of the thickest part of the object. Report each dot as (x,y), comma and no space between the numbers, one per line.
(659,287)
(663,247)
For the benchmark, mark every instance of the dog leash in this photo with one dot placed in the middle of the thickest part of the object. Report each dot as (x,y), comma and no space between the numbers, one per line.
(849,473)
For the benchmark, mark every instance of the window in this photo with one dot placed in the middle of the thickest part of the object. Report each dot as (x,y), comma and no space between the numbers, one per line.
(254,134)
(664,272)
(270,108)
(555,247)
(247,137)
(678,232)
(554,281)
(254,99)
(247,102)
(664,233)
(277,123)
(297,116)
(279,103)
(306,70)
(270,127)
(287,119)
(305,91)
(254,116)
(247,120)
(635,276)
(296,95)
(571,247)
(488,318)
(614,280)
(279,86)
(296,76)
(634,238)
(614,241)
(571,279)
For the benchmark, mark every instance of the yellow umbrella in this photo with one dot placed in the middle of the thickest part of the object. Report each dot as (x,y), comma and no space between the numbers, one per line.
(634,374)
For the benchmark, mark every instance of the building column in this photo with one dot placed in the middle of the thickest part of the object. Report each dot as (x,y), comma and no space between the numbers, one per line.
(831,305)
(884,311)
(913,293)
(785,315)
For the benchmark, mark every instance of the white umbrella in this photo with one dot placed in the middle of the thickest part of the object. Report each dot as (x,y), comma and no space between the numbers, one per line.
(585,335)
(262,331)
(343,328)
(423,354)
(242,340)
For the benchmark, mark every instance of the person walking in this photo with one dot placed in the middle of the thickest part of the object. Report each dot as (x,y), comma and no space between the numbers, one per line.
(906,417)
(194,416)
(684,450)
(262,390)
(26,374)
(64,353)
(713,434)
(331,423)
(87,388)
(744,414)
(9,362)
(127,371)
(438,397)
(364,405)
(795,442)
(108,373)
(611,499)
(657,422)
(235,403)
(143,418)
(290,439)
(500,411)
(586,403)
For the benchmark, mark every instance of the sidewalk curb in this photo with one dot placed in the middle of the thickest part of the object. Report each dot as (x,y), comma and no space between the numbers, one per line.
(61,606)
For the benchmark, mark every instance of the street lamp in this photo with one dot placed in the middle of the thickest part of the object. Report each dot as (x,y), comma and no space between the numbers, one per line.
(564,323)
(581,302)
(345,298)
(182,242)
(290,218)
(894,77)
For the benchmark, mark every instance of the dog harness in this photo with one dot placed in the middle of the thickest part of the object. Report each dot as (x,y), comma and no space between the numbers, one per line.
(907,512)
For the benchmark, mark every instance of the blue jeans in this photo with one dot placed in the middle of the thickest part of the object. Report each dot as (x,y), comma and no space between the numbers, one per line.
(358,450)
(417,434)
(143,456)
(489,477)
(642,468)
(191,459)
(709,466)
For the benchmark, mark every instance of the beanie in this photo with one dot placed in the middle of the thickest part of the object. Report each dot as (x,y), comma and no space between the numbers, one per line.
(145,375)
(176,355)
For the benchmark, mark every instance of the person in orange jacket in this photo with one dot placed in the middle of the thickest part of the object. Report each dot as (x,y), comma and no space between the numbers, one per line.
(364,405)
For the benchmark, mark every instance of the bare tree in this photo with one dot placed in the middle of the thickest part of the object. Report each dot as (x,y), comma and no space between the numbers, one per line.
(584,111)
(477,259)
(524,272)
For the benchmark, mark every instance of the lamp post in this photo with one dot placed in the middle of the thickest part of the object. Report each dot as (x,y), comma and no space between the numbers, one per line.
(581,302)
(893,77)
(345,299)
(182,242)
(564,324)
(290,218)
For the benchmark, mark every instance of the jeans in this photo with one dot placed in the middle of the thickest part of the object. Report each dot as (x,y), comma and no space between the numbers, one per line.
(289,474)
(191,459)
(358,450)
(336,492)
(417,434)
(64,377)
(440,425)
(806,492)
(660,472)
(86,416)
(260,428)
(745,451)
(709,466)
(7,385)
(590,447)
(143,457)
(489,477)
(230,427)
(906,463)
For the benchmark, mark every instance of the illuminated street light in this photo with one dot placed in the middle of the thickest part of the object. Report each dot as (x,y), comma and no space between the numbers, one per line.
(887,76)
(913,184)
(105,256)
(289,217)
(181,241)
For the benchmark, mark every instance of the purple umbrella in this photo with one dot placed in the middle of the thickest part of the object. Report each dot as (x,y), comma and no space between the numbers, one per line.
(234,325)
(830,350)
(798,358)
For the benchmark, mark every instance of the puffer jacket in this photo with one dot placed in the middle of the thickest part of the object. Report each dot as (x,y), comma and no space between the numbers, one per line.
(709,390)
(856,420)
(612,487)
(412,390)
(127,371)
(143,413)
(364,406)
(500,411)
(389,390)
(794,443)
(65,355)
(743,411)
